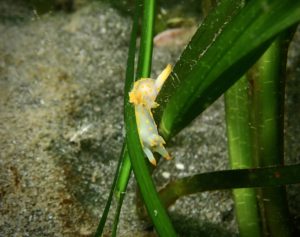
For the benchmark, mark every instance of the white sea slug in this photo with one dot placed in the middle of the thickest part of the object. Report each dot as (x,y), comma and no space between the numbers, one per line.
(143,96)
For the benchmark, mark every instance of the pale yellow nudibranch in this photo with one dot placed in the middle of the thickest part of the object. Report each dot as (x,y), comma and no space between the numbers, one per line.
(150,139)
(145,90)
(143,96)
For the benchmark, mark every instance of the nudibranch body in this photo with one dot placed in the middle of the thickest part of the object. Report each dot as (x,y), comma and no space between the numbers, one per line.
(143,96)
(149,137)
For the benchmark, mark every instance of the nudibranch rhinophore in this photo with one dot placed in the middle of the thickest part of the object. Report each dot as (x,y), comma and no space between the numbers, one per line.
(143,96)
